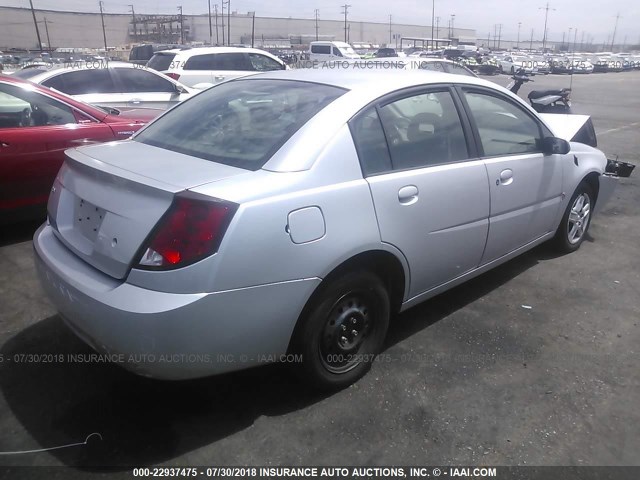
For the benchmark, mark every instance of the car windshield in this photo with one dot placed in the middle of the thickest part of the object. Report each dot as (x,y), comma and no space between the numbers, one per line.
(241,123)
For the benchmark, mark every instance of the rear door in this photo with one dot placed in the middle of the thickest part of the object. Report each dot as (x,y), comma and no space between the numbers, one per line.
(526,186)
(430,190)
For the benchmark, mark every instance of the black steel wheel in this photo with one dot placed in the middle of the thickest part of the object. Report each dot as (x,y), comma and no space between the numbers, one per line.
(343,330)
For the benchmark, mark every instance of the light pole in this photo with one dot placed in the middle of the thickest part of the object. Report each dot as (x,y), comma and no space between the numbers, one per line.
(453,17)
(518,41)
(433,14)
(546,17)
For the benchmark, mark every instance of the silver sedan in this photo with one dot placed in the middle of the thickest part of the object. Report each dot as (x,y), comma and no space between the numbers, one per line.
(288,216)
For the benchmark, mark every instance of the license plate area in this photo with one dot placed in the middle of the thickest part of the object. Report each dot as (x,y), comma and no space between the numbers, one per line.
(87,218)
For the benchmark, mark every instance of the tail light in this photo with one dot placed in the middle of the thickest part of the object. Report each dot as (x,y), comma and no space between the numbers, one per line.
(175,76)
(191,230)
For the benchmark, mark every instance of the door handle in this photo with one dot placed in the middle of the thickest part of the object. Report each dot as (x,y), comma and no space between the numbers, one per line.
(219,78)
(3,144)
(506,177)
(135,101)
(408,195)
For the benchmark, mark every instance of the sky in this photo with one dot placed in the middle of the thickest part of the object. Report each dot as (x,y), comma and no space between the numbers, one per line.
(595,18)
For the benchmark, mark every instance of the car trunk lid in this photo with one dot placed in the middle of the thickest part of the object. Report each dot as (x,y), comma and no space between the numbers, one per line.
(104,205)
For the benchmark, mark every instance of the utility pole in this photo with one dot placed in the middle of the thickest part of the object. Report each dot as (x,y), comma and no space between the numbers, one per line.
(546,17)
(253,27)
(215,12)
(582,41)
(531,42)
(229,22)
(499,34)
(437,27)
(345,9)
(210,26)
(35,22)
(135,28)
(433,14)
(181,26)
(317,14)
(46,28)
(104,33)
(389,29)
(518,41)
(615,29)
(222,15)
(453,17)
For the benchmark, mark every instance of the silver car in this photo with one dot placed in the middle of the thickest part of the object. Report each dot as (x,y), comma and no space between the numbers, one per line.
(116,84)
(288,216)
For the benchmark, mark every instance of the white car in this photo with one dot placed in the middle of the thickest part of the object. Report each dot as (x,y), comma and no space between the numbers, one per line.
(512,63)
(116,84)
(204,67)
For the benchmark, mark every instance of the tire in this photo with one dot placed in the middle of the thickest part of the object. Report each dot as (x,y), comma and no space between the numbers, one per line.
(576,219)
(513,70)
(332,356)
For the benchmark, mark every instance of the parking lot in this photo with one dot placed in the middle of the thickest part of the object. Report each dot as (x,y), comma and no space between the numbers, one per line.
(533,363)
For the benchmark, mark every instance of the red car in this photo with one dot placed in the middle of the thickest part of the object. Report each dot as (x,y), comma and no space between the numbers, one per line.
(36,126)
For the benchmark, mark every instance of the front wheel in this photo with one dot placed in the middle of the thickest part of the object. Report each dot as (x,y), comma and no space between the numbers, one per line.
(576,219)
(343,331)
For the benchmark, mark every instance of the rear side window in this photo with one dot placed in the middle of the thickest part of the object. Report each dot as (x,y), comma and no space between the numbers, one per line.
(161,61)
(323,49)
(135,80)
(141,52)
(371,143)
(241,123)
(82,82)
(201,62)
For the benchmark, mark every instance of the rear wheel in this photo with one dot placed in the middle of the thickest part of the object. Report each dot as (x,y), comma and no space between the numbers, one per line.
(343,331)
(576,219)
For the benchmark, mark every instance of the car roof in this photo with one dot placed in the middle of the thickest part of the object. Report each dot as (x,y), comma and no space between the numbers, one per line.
(379,81)
(205,50)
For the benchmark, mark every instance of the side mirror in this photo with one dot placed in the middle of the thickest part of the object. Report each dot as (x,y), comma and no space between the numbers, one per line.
(555,146)
(181,89)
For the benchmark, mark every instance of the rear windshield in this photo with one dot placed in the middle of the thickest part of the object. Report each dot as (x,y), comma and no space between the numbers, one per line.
(28,73)
(241,123)
(161,61)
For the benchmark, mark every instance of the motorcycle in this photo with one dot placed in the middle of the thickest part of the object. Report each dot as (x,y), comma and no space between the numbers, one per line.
(542,101)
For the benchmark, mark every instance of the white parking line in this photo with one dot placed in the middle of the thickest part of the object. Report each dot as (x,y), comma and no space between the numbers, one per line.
(619,128)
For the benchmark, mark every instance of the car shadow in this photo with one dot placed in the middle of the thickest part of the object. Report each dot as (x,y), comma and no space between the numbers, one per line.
(143,421)
(18,232)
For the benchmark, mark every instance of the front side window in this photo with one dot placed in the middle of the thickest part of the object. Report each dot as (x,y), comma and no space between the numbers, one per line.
(337,52)
(504,128)
(262,63)
(232,61)
(424,130)
(323,49)
(241,123)
(21,107)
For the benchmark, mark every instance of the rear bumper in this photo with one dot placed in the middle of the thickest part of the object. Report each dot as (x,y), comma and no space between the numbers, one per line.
(165,335)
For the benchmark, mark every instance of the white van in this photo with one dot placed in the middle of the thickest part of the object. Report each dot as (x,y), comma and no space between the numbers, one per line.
(322,51)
